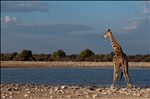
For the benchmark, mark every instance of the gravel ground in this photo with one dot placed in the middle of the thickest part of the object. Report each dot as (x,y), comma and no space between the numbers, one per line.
(29,64)
(33,91)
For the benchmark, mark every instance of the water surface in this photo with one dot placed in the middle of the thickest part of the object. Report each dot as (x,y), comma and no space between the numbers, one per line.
(101,76)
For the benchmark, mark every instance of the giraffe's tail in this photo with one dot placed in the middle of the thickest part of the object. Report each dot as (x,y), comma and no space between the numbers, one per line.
(121,76)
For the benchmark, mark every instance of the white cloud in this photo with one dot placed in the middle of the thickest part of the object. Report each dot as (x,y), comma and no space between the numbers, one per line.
(135,22)
(9,19)
(131,27)
(146,11)
(15,25)
(23,6)
(84,32)
(145,7)
(141,23)
(14,19)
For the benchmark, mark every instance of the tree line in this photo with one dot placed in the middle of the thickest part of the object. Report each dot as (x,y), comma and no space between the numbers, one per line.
(60,55)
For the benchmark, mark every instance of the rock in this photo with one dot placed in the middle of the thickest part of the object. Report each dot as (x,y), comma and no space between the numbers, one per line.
(28,92)
(86,92)
(138,94)
(91,88)
(42,89)
(127,93)
(146,95)
(13,89)
(109,91)
(12,84)
(78,94)
(87,96)
(124,89)
(3,96)
(104,93)
(68,96)
(35,88)
(11,93)
(6,95)
(17,85)
(63,87)
(50,92)
(16,89)
(67,91)
(10,96)
(51,96)
(99,89)
(95,96)
(60,91)
(26,95)
(56,89)
(9,89)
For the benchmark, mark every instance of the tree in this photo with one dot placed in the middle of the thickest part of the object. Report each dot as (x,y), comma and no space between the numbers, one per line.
(146,58)
(86,53)
(58,55)
(13,55)
(2,56)
(26,55)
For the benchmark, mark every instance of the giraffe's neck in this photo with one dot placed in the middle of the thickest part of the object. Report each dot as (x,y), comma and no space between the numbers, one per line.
(115,45)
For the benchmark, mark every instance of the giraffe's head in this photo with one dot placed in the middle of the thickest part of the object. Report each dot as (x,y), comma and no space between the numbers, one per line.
(107,33)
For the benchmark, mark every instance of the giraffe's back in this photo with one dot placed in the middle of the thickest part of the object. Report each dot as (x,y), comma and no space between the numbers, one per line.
(119,57)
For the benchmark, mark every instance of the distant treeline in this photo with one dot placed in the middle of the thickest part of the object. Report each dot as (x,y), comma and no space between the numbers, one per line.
(60,55)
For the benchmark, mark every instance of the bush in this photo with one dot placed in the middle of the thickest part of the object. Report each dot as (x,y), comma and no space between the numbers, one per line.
(146,58)
(13,55)
(26,55)
(42,57)
(58,55)
(86,53)
(2,57)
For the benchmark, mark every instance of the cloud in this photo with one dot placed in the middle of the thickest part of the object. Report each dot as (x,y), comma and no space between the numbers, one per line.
(145,7)
(135,23)
(8,19)
(138,28)
(136,31)
(140,24)
(15,25)
(28,6)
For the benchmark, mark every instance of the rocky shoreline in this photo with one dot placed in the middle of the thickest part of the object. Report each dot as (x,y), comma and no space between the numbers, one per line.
(33,91)
(22,64)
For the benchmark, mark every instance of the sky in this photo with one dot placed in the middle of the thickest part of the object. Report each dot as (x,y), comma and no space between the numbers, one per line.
(72,26)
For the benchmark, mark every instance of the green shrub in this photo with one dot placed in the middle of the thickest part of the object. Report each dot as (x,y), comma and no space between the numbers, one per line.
(86,53)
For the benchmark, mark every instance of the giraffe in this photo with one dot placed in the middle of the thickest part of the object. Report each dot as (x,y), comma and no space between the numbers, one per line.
(119,59)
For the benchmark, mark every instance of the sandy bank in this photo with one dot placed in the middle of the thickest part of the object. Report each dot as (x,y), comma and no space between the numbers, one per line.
(19,64)
(32,91)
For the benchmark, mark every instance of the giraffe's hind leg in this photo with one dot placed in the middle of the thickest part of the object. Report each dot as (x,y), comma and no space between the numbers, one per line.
(125,73)
(116,68)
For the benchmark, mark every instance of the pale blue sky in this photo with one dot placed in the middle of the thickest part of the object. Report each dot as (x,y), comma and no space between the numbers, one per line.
(73,26)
